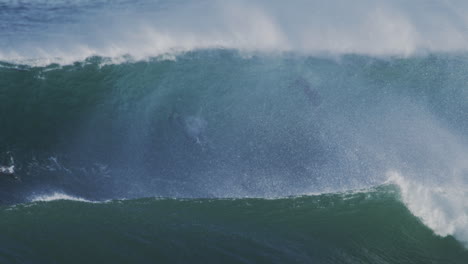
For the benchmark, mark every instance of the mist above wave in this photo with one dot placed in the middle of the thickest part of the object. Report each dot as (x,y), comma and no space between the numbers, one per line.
(147,28)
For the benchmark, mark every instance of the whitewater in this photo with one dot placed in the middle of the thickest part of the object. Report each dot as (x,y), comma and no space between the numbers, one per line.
(247,123)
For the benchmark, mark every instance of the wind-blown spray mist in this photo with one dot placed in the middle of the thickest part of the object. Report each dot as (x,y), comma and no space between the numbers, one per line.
(65,33)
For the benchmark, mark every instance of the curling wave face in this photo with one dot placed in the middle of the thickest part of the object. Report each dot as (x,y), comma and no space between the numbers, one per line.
(206,125)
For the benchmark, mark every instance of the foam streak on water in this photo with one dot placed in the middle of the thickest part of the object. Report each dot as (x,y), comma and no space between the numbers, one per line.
(57,196)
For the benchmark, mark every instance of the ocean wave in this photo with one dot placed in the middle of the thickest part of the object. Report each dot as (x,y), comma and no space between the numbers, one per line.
(218,125)
(443,209)
(312,131)
(371,226)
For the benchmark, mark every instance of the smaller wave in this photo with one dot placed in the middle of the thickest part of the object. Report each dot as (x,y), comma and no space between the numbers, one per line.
(370,227)
(56,196)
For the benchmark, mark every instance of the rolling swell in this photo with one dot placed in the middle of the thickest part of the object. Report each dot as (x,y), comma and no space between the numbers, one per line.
(328,228)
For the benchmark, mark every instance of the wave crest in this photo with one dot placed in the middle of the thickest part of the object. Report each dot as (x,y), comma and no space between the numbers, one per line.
(443,209)
(146,29)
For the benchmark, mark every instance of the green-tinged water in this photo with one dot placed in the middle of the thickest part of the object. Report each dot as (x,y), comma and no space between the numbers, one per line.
(212,127)
(215,124)
(365,227)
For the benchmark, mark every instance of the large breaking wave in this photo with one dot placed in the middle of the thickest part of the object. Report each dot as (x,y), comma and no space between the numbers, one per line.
(257,99)
(216,124)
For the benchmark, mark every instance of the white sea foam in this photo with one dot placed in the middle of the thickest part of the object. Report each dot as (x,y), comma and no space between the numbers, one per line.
(378,28)
(58,196)
(7,170)
(442,208)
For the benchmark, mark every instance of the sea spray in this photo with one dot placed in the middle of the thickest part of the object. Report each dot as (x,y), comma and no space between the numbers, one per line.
(66,33)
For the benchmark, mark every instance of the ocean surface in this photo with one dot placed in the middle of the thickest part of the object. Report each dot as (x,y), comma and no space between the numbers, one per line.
(233,131)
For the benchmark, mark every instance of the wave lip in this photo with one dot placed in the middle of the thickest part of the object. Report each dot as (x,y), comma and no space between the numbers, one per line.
(443,209)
